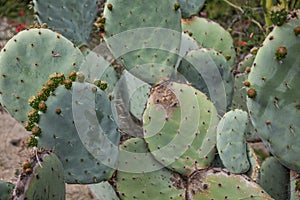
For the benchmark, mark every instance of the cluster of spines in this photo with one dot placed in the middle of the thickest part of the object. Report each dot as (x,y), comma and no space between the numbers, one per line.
(38,103)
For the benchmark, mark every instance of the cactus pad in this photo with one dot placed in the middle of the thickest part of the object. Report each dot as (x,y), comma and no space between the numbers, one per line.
(45,181)
(80,165)
(231,141)
(209,34)
(274,179)
(190,7)
(144,36)
(104,191)
(72,19)
(274,109)
(6,190)
(156,185)
(180,127)
(25,68)
(220,184)
(208,71)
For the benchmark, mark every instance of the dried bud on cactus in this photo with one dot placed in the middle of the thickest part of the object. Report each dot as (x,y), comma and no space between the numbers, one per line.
(31,141)
(281,52)
(33,116)
(251,93)
(68,84)
(176,6)
(28,125)
(34,102)
(297,30)
(42,106)
(247,83)
(110,6)
(72,76)
(26,165)
(36,131)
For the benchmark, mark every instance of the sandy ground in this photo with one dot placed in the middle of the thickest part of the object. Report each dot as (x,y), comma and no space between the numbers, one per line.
(13,153)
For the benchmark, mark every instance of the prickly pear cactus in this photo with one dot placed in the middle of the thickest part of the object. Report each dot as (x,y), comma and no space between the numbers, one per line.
(239,100)
(104,191)
(273,96)
(144,36)
(73,19)
(138,92)
(187,44)
(209,34)
(41,178)
(27,60)
(179,127)
(208,71)
(274,179)
(80,165)
(6,190)
(156,185)
(231,141)
(216,184)
(190,7)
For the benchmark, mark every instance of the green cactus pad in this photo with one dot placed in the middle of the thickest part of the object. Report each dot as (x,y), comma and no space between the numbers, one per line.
(187,44)
(220,184)
(73,19)
(208,71)
(180,127)
(27,60)
(104,191)
(274,179)
(275,110)
(96,67)
(156,185)
(239,100)
(246,63)
(6,190)
(80,165)
(231,141)
(209,34)
(190,7)
(46,181)
(144,36)
(138,92)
